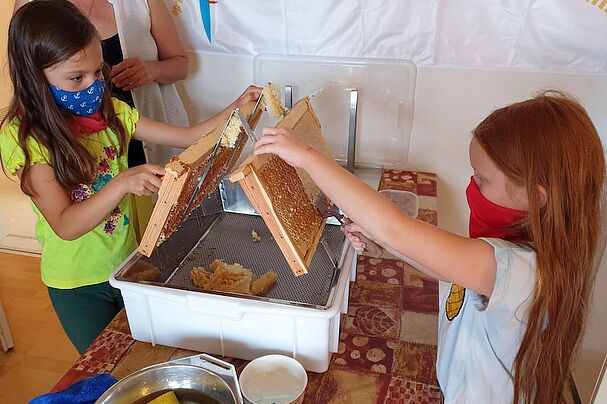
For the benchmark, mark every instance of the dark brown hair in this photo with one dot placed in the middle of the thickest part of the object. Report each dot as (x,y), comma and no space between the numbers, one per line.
(550,142)
(41,34)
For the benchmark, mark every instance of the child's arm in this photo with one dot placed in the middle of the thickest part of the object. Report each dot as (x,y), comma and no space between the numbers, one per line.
(467,262)
(167,135)
(350,231)
(71,220)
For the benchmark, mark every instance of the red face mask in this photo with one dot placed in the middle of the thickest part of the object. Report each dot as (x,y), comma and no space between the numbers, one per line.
(488,219)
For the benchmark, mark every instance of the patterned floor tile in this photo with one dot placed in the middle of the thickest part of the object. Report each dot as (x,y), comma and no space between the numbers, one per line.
(352,386)
(418,327)
(416,362)
(373,321)
(380,270)
(407,391)
(365,353)
(421,300)
(375,294)
(105,352)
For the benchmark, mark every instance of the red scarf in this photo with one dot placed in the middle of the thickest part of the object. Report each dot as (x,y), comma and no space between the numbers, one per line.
(488,219)
(81,125)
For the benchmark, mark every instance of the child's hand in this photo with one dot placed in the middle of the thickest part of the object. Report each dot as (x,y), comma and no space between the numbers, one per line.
(286,144)
(141,180)
(252,93)
(131,73)
(350,231)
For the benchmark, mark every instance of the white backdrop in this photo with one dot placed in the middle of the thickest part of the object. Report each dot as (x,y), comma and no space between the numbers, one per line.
(567,36)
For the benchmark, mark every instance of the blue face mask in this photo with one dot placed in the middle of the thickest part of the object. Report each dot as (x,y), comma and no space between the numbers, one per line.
(84,103)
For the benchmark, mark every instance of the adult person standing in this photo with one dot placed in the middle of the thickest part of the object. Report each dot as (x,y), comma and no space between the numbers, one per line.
(141,45)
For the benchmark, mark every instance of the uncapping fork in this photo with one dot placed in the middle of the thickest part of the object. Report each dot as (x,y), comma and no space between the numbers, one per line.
(327,210)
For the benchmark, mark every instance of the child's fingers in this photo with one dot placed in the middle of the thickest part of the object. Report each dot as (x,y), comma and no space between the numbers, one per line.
(254,91)
(155,181)
(272,144)
(265,149)
(358,246)
(254,94)
(355,239)
(251,93)
(270,130)
(149,177)
(147,186)
(150,188)
(267,144)
(354,228)
(156,169)
(265,140)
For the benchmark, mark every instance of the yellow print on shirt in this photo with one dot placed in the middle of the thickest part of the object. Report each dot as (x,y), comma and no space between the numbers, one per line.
(176,9)
(454,302)
(599,3)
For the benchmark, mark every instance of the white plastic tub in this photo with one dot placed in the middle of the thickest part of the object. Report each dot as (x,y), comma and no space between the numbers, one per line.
(236,327)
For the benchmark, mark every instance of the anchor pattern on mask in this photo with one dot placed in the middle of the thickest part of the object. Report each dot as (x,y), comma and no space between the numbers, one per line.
(83,103)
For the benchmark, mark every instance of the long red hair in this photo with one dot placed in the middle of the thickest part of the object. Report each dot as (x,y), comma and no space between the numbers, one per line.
(550,142)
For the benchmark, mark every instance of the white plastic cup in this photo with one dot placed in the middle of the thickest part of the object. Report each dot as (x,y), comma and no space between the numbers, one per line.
(274,379)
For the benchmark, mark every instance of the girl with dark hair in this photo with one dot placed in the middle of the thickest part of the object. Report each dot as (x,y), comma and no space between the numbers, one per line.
(520,286)
(141,45)
(67,140)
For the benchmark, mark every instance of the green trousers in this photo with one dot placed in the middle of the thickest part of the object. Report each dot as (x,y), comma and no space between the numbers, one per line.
(85,311)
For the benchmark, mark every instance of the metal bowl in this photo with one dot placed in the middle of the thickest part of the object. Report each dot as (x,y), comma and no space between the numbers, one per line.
(145,385)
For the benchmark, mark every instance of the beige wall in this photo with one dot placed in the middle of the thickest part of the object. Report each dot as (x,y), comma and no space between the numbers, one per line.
(6,10)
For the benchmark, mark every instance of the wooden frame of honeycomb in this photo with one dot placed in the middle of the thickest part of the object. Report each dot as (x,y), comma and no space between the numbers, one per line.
(181,178)
(286,197)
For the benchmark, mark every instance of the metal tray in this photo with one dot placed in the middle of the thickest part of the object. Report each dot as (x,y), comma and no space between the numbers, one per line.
(221,229)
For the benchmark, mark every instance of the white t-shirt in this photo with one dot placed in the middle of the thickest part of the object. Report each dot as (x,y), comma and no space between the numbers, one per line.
(479,340)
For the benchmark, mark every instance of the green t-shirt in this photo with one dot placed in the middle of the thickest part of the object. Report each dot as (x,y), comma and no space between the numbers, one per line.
(91,258)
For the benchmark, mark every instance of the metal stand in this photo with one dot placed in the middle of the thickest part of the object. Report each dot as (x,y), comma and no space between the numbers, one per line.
(351,161)
(288,96)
